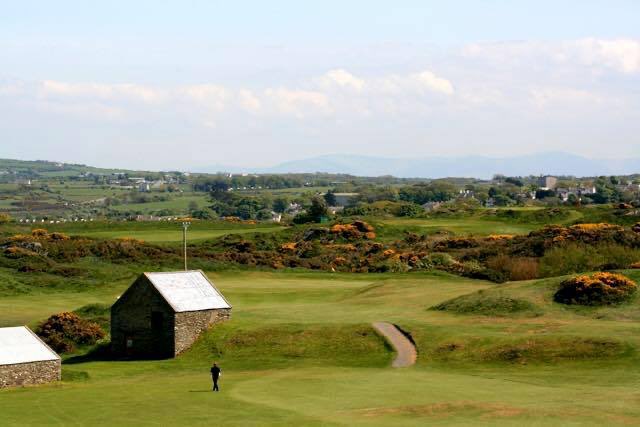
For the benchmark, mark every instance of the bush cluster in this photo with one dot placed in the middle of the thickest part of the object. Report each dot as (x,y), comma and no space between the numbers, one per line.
(63,331)
(598,289)
(355,230)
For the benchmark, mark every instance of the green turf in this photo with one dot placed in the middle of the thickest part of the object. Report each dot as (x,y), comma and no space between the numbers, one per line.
(158,231)
(299,351)
(476,226)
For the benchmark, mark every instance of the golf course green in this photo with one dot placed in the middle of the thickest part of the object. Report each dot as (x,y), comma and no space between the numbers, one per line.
(300,350)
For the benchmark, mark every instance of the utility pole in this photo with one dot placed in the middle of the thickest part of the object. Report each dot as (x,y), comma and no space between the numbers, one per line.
(185,225)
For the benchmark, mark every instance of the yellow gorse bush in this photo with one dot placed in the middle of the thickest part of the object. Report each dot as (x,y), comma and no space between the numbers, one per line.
(500,236)
(602,226)
(597,289)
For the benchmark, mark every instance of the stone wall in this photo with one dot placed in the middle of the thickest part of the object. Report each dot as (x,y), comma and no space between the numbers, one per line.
(190,324)
(22,374)
(133,332)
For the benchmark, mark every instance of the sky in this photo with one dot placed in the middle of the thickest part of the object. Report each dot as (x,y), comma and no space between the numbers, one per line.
(191,84)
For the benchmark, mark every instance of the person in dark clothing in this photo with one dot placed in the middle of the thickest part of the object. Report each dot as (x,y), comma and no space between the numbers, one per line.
(215,376)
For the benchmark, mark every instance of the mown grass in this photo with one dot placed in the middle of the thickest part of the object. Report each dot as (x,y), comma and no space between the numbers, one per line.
(299,351)
(156,231)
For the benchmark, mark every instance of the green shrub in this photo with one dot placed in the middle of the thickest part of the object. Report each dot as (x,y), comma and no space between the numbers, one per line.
(441,259)
(576,258)
(514,268)
(598,289)
(64,331)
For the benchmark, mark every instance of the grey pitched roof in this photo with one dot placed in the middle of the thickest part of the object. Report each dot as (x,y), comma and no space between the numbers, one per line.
(19,345)
(188,290)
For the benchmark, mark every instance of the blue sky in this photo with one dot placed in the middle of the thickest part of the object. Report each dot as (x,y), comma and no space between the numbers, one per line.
(250,83)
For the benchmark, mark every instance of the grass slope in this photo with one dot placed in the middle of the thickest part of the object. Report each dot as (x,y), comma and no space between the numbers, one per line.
(299,351)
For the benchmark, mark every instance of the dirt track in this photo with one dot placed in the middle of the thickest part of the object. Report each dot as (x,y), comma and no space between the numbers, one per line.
(406,351)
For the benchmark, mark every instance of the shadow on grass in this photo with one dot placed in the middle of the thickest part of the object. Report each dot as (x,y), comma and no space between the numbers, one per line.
(102,353)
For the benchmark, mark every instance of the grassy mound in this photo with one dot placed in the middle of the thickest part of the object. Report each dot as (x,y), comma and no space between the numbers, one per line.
(532,350)
(598,289)
(284,344)
(489,304)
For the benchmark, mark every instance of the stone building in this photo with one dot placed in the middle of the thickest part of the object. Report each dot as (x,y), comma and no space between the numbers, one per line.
(162,314)
(547,182)
(25,359)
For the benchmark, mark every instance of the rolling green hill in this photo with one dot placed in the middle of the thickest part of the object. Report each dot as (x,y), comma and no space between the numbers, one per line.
(300,350)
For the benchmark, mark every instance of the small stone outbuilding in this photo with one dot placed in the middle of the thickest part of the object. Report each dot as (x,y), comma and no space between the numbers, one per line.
(25,359)
(162,314)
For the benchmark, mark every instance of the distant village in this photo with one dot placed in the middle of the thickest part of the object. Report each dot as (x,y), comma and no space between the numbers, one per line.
(48,192)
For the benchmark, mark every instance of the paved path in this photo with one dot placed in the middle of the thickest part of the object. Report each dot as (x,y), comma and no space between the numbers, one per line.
(407,353)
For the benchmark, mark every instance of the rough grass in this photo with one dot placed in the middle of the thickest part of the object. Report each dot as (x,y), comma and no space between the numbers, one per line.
(540,350)
(98,313)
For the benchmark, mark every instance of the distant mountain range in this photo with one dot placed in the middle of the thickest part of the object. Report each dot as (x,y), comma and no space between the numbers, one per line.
(551,163)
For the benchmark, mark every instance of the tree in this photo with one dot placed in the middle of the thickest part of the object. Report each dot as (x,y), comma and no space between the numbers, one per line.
(330,198)
(318,209)
(543,194)
(502,200)
(280,204)
(201,214)
(573,200)
(410,209)
(263,215)
(515,181)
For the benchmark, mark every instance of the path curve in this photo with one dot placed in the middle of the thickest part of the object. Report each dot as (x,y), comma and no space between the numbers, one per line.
(406,351)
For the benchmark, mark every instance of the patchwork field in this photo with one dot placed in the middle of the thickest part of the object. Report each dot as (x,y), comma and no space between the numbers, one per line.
(299,350)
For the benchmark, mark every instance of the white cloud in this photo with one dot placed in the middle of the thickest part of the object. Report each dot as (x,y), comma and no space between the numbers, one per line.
(210,96)
(434,83)
(342,78)
(101,91)
(86,111)
(564,97)
(299,103)
(248,101)
(622,54)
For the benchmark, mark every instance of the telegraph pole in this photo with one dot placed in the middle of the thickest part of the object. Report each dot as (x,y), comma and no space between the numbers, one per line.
(185,225)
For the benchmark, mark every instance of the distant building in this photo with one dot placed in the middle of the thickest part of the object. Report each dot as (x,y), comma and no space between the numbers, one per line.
(564,193)
(162,314)
(466,194)
(547,182)
(294,209)
(345,199)
(25,359)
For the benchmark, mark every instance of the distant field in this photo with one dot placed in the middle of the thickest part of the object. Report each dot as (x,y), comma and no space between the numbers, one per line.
(176,202)
(461,226)
(299,351)
(174,235)
(161,231)
(477,224)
